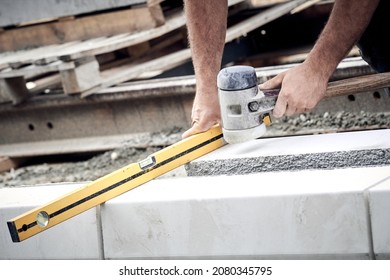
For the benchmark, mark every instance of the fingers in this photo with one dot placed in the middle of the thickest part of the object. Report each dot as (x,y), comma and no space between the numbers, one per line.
(195,129)
(281,104)
(275,82)
(291,110)
(300,90)
(283,108)
(286,107)
(280,107)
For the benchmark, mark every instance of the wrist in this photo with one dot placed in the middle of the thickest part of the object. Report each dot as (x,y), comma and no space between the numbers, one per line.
(324,68)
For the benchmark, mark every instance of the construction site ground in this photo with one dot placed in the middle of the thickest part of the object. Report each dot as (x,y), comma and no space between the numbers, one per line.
(90,167)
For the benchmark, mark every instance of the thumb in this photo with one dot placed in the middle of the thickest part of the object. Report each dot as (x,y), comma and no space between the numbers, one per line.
(275,82)
(196,128)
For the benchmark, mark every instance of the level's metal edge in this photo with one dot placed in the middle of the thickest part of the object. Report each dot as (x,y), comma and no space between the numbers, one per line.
(13,231)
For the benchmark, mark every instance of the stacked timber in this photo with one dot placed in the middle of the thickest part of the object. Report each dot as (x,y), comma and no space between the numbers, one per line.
(70,49)
(100,45)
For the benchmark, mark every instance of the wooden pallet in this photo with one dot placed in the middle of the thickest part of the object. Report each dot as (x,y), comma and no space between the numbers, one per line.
(26,12)
(75,64)
(82,27)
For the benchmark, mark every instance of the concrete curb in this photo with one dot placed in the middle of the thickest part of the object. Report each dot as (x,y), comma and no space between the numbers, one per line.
(326,151)
(306,214)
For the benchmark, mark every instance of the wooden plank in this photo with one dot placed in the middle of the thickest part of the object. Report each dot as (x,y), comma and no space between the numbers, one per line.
(155,87)
(4,66)
(19,58)
(43,55)
(41,84)
(305,5)
(153,67)
(6,163)
(349,67)
(13,89)
(265,3)
(82,28)
(19,11)
(31,71)
(358,84)
(171,23)
(124,73)
(161,64)
(4,97)
(95,46)
(156,11)
(84,76)
(135,52)
(131,39)
(261,18)
(296,55)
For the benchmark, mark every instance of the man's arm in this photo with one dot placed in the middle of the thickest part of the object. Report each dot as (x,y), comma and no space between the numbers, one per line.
(206,25)
(303,86)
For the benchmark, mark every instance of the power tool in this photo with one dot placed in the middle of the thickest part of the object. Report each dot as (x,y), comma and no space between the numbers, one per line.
(245,110)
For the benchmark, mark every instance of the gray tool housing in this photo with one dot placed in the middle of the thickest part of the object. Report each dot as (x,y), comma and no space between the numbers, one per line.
(240,100)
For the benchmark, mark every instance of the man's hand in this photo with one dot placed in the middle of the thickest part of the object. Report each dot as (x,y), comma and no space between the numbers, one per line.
(205,112)
(301,89)
(303,86)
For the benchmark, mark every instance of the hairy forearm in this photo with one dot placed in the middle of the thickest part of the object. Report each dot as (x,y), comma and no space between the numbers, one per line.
(346,23)
(206,24)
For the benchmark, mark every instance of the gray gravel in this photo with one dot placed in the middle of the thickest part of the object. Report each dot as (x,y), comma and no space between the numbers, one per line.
(110,161)
(328,122)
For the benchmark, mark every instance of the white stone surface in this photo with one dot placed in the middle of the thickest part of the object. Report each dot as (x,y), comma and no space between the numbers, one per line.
(302,214)
(311,214)
(76,238)
(333,142)
(379,201)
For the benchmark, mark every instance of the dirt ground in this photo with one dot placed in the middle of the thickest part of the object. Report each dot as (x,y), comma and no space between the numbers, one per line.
(105,163)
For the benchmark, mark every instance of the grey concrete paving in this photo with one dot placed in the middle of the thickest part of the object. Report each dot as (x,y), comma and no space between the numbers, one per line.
(327,151)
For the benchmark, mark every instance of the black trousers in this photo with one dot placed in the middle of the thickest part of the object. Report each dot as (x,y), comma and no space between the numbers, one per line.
(374,44)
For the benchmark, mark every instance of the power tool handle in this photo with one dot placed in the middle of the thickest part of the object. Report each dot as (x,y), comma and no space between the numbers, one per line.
(358,84)
(349,86)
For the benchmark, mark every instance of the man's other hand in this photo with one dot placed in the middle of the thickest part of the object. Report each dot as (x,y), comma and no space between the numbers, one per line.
(205,112)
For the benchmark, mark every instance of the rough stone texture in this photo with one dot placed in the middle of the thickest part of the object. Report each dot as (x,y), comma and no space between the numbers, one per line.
(333,160)
(328,151)
(328,121)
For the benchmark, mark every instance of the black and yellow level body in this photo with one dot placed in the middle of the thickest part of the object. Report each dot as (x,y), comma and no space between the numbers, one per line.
(114,184)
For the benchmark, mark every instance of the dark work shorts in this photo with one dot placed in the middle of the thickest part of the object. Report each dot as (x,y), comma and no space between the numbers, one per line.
(374,44)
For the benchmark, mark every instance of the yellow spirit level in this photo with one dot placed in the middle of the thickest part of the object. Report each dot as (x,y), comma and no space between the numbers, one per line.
(114,184)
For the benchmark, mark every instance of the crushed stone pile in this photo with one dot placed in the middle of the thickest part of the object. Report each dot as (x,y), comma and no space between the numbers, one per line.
(110,161)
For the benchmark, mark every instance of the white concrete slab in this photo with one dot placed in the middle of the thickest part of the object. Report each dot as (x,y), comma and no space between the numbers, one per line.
(302,214)
(325,151)
(322,143)
(379,201)
(76,238)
